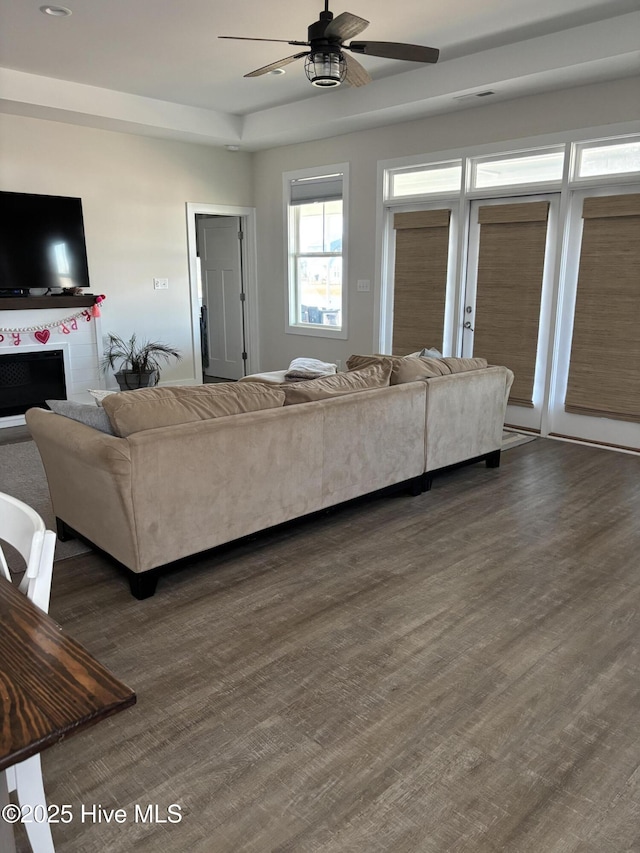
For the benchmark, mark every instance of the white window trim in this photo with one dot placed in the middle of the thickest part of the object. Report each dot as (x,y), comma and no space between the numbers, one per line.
(422,167)
(555,422)
(559,422)
(596,180)
(384,272)
(386,296)
(320,331)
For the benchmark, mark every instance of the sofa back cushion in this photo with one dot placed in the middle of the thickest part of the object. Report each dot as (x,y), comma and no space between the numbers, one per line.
(373,376)
(461,365)
(135,411)
(409,368)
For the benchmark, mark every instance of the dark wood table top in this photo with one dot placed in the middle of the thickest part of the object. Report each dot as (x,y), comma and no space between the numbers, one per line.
(50,686)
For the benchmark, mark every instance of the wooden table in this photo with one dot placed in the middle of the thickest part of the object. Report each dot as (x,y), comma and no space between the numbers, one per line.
(50,686)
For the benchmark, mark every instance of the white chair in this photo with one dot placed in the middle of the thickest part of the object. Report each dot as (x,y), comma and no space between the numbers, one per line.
(23,529)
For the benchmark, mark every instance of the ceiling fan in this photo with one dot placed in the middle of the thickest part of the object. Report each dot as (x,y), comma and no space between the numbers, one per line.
(326,64)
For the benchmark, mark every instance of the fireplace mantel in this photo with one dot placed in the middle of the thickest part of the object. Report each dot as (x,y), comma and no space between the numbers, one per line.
(29,303)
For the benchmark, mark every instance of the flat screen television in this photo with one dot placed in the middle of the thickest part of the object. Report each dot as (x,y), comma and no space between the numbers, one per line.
(42,243)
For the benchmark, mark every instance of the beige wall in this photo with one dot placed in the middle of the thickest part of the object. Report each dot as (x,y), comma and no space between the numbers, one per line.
(134,190)
(554,112)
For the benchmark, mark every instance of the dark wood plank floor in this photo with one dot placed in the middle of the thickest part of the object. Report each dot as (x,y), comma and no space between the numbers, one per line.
(454,672)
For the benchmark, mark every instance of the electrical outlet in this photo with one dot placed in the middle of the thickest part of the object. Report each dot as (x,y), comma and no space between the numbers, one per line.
(364,285)
(161,284)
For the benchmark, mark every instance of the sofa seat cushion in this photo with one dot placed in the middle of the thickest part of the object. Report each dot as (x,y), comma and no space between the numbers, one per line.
(148,408)
(409,368)
(373,376)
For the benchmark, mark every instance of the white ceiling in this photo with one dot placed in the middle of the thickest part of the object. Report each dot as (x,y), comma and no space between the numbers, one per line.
(157,66)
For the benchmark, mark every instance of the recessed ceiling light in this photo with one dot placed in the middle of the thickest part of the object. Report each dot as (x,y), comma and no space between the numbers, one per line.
(232,147)
(277,72)
(56,11)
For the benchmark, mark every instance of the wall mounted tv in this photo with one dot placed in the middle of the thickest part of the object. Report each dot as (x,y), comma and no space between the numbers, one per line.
(41,243)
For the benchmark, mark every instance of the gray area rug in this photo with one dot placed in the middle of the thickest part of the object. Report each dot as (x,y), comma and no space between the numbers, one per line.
(23,477)
(514,439)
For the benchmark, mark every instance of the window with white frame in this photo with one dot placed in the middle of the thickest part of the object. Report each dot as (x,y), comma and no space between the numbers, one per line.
(316,248)
(542,166)
(431,179)
(607,157)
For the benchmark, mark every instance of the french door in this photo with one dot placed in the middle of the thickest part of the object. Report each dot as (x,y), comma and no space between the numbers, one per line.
(508,295)
(595,393)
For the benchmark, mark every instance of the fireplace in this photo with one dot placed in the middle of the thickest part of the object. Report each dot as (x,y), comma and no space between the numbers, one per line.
(29,378)
(62,334)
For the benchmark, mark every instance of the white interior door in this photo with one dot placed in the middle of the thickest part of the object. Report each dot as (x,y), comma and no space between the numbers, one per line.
(220,248)
(529,415)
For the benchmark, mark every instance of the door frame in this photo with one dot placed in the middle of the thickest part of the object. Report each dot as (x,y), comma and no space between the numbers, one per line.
(529,419)
(384,314)
(249,268)
(606,432)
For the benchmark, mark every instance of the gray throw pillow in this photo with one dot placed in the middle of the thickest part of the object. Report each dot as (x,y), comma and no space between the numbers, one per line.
(430,353)
(92,416)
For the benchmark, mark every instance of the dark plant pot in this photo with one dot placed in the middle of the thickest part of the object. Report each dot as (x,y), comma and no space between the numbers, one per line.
(129,380)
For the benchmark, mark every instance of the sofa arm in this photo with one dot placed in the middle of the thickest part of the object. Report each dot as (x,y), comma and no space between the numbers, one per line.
(89,477)
(465,415)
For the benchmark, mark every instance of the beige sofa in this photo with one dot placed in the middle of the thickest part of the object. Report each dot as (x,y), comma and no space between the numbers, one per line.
(184,473)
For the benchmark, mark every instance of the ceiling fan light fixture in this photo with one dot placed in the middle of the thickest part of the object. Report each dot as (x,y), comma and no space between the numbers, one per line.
(325,69)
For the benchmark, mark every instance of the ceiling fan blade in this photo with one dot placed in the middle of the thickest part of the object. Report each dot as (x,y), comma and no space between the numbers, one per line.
(248,38)
(395,50)
(267,68)
(357,75)
(345,26)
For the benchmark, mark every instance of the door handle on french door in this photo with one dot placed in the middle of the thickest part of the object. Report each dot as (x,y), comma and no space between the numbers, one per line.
(467,325)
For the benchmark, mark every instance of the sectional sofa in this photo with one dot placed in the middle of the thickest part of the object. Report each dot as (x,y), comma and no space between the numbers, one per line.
(180,470)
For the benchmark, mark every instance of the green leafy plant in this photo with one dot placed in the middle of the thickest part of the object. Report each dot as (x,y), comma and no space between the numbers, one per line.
(133,358)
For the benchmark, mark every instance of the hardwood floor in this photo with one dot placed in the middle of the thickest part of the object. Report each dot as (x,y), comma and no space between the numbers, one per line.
(458,671)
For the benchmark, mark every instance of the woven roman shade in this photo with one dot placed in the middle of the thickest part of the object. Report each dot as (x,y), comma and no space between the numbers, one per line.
(509,288)
(420,280)
(604,368)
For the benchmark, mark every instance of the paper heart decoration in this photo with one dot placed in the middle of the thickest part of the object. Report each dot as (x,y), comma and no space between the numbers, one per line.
(43,336)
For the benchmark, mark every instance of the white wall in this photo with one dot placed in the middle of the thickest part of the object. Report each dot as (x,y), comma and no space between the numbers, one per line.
(554,112)
(134,190)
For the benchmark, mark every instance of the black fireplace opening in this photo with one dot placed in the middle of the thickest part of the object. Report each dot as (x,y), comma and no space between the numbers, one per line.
(28,379)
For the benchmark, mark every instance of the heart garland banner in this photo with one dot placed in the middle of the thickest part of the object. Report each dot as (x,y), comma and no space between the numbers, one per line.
(42,333)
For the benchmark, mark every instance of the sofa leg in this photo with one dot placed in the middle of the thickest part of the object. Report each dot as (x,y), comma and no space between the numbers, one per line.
(493,459)
(427,482)
(143,584)
(64,533)
(415,487)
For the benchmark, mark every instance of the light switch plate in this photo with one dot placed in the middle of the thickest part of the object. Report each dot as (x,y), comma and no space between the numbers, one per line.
(161,284)
(364,285)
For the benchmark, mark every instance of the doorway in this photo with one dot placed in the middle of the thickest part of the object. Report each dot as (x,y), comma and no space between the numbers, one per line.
(222,271)
(222,326)
(507,300)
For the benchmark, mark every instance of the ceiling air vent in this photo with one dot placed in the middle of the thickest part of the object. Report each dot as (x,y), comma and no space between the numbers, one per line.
(474,95)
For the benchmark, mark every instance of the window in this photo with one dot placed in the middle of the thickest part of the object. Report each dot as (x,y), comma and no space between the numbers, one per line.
(608,158)
(316,207)
(518,169)
(426,180)
(605,350)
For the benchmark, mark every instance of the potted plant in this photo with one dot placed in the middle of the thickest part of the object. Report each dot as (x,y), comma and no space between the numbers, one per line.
(136,364)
